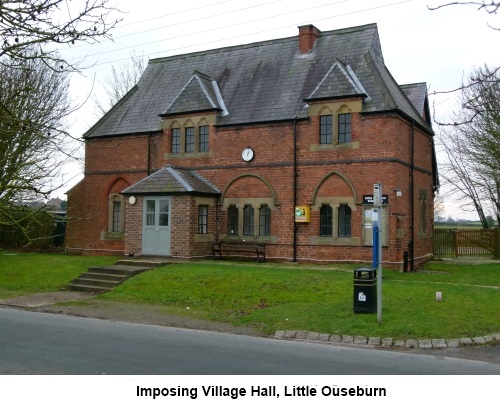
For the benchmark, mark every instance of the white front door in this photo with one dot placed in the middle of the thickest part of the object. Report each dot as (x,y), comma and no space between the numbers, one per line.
(156,226)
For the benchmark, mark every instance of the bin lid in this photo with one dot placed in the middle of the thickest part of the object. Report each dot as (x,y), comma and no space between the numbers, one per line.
(365,272)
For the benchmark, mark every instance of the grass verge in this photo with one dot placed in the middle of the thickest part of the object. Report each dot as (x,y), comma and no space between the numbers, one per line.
(272,297)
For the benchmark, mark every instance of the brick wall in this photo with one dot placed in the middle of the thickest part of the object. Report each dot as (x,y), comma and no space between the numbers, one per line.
(380,151)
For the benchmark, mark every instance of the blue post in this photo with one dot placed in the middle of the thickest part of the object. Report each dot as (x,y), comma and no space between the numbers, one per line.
(375,245)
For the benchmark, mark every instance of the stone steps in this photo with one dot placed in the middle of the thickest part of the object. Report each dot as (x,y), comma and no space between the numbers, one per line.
(100,279)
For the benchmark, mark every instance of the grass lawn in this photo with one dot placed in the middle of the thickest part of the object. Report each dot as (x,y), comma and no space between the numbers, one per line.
(29,273)
(273,297)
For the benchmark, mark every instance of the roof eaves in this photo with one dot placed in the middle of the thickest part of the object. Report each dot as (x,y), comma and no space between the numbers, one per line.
(87,134)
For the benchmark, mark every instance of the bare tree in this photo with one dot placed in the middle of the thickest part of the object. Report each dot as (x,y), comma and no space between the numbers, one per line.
(473,106)
(121,80)
(472,168)
(34,103)
(31,29)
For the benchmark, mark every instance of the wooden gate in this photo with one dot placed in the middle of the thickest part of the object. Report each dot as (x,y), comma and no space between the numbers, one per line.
(453,243)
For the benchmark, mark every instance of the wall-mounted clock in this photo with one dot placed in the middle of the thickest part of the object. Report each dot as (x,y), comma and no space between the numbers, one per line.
(247,154)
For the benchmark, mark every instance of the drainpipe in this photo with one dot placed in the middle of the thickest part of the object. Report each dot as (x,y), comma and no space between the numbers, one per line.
(295,177)
(412,200)
(149,153)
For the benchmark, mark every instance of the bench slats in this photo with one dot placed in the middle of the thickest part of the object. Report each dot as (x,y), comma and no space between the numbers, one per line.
(259,248)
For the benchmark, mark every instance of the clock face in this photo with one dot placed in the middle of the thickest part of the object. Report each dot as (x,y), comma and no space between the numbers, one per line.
(247,154)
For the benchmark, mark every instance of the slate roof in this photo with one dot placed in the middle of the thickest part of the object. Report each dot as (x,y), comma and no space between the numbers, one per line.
(416,93)
(261,82)
(173,180)
(199,94)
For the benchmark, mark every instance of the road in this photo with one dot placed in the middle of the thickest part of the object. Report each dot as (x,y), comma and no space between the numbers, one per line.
(34,343)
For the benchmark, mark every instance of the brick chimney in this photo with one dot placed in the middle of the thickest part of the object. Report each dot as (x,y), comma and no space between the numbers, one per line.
(308,34)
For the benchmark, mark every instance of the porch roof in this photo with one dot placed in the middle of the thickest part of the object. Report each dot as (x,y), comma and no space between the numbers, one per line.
(173,180)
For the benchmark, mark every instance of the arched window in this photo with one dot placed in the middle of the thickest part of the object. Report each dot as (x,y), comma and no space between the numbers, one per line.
(264,220)
(116,216)
(326,220)
(344,221)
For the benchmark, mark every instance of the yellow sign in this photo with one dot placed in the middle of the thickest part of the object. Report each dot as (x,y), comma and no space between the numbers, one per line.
(302,214)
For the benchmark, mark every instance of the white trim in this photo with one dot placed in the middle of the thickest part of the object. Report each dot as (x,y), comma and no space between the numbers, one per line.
(218,94)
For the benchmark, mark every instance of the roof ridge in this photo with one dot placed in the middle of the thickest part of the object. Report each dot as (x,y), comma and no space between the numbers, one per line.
(184,183)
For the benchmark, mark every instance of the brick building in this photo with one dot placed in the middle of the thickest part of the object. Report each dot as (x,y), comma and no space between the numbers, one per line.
(225,145)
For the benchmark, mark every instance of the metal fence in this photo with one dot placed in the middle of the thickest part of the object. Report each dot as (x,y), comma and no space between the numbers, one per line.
(454,243)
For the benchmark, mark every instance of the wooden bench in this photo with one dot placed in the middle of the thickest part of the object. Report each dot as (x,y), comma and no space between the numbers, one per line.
(259,248)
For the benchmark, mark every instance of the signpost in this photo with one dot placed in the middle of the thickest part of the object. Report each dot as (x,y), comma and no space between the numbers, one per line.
(377,243)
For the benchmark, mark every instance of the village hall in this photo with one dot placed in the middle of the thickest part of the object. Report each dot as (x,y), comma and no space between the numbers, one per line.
(276,143)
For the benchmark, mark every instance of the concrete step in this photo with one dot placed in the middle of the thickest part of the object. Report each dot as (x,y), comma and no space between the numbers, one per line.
(105,276)
(145,262)
(87,280)
(87,288)
(119,269)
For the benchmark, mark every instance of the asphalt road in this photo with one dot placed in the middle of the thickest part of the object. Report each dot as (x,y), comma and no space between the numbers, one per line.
(34,343)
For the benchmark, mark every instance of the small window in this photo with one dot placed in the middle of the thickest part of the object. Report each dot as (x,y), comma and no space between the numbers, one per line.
(189,140)
(344,221)
(117,216)
(326,220)
(232,220)
(203,140)
(203,219)
(248,220)
(264,221)
(344,128)
(176,140)
(326,133)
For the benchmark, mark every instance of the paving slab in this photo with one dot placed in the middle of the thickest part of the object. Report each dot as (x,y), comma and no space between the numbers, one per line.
(424,344)
(312,335)
(347,339)
(360,340)
(439,343)
(411,343)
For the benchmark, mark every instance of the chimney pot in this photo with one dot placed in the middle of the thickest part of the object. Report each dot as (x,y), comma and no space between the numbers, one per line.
(308,34)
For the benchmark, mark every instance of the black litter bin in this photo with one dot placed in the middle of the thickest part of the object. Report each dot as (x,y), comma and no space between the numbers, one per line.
(365,290)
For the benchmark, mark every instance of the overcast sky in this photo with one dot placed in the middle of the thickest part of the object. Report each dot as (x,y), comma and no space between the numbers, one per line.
(437,47)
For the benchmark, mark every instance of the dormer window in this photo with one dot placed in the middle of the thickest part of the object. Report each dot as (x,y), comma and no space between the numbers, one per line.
(203,139)
(176,140)
(326,129)
(344,128)
(189,145)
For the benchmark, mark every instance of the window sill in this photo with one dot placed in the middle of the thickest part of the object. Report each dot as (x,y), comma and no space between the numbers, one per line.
(250,238)
(335,240)
(193,155)
(317,147)
(203,237)
(113,236)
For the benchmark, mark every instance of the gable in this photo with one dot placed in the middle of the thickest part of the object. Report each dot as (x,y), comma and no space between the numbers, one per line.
(199,94)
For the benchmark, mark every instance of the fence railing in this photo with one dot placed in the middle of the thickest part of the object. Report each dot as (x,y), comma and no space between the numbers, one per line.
(453,243)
